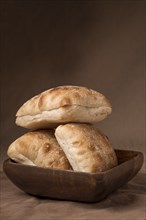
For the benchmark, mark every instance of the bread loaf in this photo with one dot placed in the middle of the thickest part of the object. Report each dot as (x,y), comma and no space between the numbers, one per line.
(38,148)
(87,149)
(63,104)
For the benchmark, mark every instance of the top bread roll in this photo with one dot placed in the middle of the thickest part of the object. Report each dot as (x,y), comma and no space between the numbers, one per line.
(63,104)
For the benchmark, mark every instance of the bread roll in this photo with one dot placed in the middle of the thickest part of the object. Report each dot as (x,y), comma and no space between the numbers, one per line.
(38,148)
(86,148)
(62,105)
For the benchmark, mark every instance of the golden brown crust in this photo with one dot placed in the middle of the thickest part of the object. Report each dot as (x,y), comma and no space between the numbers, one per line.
(61,105)
(38,148)
(62,96)
(86,148)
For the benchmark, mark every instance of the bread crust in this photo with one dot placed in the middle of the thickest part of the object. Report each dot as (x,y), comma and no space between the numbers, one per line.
(87,149)
(63,104)
(38,148)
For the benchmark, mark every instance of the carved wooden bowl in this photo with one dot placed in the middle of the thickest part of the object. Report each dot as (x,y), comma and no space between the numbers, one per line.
(72,185)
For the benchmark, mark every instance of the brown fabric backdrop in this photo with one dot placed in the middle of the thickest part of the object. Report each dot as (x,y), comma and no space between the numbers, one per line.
(98,44)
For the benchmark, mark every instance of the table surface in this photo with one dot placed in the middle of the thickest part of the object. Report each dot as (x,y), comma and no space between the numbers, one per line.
(127,203)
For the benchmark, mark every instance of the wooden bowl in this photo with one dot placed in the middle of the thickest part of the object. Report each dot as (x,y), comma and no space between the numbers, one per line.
(71,185)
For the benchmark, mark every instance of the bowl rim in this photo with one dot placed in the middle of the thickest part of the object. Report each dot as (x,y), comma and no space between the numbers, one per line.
(136,154)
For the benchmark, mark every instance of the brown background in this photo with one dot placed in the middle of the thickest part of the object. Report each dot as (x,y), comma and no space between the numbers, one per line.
(98,44)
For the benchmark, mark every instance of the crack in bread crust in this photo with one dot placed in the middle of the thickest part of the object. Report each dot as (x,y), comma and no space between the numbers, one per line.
(63,115)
